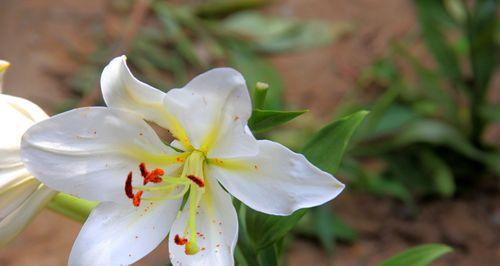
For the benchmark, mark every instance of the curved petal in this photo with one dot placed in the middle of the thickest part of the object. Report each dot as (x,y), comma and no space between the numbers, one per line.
(120,235)
(277,181)
(16,221)
(217,226)
(26,108)
(120,89)
(15,192)
(214,108)
(17,115)
(88,152)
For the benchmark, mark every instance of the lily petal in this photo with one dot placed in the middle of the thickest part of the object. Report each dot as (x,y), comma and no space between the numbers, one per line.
(217,226)
(16,221)
(15,192)
(88,152)
(120,89)
(120,235)
(24,107)
(17,115)
(214,108)
(276,181)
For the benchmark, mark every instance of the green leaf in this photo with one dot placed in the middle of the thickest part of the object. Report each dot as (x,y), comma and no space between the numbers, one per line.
(483,49)
(326,148)
(268,256)
(264,230)
(262,120)
(438,133)
(328,227)
(431,14)
(273,34)
(418,256)
(256,69)
(176,34)
(442,176)
(491,112)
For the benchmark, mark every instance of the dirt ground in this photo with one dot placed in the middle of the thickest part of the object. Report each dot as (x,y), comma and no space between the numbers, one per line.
(39,37)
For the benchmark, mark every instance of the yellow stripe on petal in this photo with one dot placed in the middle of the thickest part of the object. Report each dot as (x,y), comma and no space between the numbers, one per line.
(232,164)
(161,159)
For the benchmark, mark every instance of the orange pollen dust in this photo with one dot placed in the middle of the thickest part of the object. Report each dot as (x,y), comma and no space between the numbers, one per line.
(180,240)
(198,181)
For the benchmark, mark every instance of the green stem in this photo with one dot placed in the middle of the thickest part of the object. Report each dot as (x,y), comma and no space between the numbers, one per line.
(72,207)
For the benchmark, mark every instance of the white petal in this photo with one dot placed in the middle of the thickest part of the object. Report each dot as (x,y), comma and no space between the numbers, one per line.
(217,225)
(214,108)
(16,116)
(120,235)
(89,152)
(277,181)
(15,192)
(16,221)
(26,108)
(120,89)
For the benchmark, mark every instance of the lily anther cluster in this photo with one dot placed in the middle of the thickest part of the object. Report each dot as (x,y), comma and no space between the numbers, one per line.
(149,189)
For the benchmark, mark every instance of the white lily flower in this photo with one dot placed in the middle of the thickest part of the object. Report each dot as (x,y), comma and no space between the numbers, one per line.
(112,155)
(21,195)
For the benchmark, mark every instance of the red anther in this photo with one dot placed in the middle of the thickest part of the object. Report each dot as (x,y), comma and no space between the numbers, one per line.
(128,186)
(153,176)
(137,198)
(144,171)
(198,181)
(180,240)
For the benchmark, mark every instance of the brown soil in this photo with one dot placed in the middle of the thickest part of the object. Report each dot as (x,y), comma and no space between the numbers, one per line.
(41,37)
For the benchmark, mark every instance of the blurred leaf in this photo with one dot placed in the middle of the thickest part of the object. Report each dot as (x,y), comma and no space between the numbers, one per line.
(272,34)
(256,69)
(442,176)
(418,256)
(483,50)
(491,112)
(175,34)
(431,84)
(268,256)
(437,133)
(328,227)
(264,229)
(371,181)
(326,148)
(216,8)
(430,14)
(262,120)
(456,9)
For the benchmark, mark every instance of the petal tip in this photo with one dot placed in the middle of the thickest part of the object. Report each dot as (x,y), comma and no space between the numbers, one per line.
(4,65)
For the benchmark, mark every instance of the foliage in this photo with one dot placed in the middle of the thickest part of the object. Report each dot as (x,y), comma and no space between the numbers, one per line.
(425,139)
(179,40)
(418,256)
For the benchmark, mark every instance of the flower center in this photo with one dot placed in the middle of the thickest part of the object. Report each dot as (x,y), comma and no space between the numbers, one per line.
(191,180)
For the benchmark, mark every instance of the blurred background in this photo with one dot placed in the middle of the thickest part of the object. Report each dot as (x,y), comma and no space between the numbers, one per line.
(424,167)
